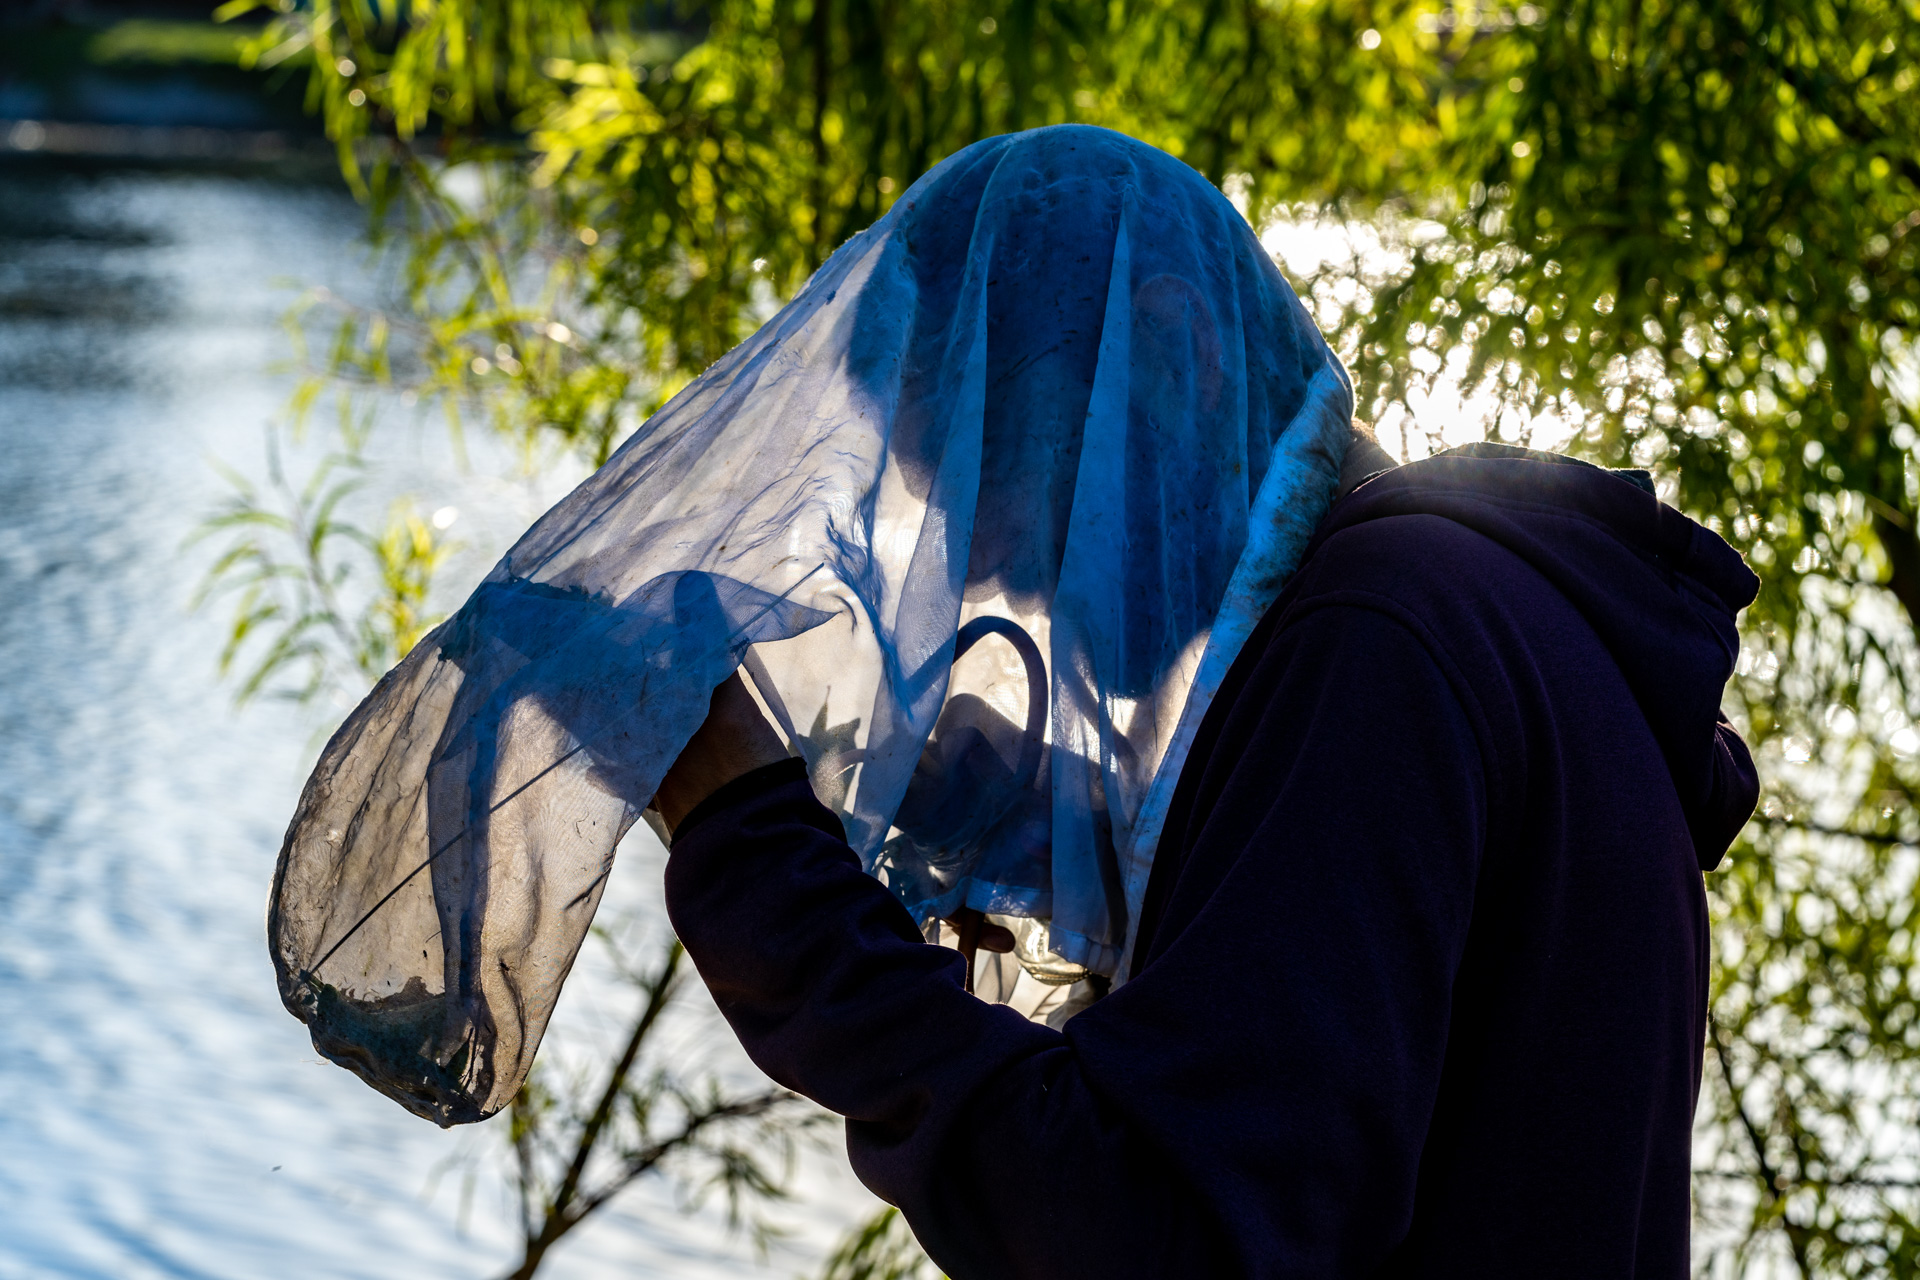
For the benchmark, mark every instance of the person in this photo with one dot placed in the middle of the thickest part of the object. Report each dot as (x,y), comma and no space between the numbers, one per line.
(1419,985)
(1367,804)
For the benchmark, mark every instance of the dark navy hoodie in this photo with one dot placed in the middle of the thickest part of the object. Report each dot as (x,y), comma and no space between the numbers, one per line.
(1422,973)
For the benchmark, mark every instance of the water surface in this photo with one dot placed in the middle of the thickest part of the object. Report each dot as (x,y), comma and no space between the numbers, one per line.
(162,1115)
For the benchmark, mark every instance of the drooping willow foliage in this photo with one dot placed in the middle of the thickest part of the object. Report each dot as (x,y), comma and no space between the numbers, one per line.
(1679,233)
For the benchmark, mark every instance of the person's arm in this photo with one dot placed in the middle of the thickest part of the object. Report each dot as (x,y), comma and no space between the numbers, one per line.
(1253,1103)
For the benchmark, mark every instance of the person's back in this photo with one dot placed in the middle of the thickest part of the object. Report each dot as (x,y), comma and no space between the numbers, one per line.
(1493,772)
(1420,980)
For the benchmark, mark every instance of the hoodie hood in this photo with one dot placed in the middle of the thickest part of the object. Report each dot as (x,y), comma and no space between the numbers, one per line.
(1661,590)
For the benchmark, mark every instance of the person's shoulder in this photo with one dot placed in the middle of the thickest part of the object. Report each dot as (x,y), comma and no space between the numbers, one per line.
(1414,559)
(1480,609)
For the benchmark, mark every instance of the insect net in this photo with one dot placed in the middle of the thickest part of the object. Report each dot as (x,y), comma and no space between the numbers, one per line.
(985,512)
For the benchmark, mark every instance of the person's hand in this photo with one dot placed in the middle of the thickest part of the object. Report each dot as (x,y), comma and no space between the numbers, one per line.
(977,933)
(734,740)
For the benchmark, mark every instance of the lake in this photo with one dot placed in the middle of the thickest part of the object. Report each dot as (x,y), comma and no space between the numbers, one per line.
(162,1115)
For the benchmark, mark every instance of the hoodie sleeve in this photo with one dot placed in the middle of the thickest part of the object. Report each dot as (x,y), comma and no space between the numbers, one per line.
(1253,1103)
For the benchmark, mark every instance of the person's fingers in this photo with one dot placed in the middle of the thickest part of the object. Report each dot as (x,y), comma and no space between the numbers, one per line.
(995,937)
(992,937)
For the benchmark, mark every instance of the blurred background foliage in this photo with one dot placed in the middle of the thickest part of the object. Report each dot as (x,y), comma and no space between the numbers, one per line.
(1676,234)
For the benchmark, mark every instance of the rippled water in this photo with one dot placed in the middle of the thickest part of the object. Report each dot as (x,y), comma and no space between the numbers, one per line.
(160,1114)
